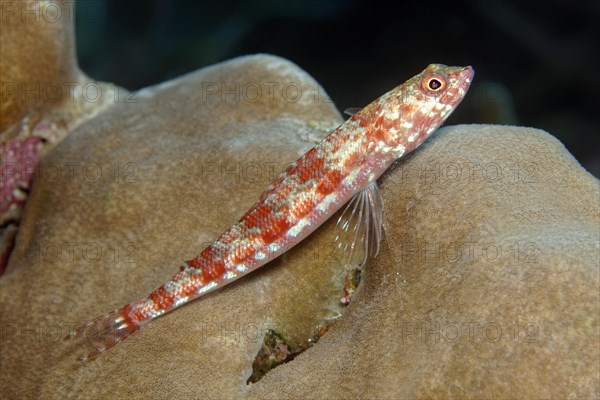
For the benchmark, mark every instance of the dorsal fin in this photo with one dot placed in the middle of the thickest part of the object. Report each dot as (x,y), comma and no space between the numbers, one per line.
(352,110)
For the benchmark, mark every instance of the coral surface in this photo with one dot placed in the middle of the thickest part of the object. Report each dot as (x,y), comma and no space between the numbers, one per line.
(486,285)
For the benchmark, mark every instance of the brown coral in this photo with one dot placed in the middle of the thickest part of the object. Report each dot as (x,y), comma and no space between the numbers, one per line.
(486,285)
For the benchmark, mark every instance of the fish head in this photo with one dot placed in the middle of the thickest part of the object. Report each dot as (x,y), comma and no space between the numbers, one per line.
(408,114)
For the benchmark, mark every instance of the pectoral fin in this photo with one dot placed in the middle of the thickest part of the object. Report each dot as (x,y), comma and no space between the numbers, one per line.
(359,227)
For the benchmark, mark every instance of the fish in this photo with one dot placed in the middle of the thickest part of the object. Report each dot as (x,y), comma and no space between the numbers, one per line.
(340,170)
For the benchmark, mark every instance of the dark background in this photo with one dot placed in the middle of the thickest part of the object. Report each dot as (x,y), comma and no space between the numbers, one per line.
(537,63)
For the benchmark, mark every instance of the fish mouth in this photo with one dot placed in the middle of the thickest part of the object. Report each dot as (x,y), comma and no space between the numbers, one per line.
(462,77)
(465,77)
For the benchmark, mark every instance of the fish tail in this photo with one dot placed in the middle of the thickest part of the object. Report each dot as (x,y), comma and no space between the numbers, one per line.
(102,333)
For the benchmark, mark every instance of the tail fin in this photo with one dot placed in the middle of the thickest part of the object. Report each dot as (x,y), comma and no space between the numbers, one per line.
(102,333)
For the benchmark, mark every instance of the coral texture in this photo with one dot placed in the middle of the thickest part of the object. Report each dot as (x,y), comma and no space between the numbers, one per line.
(44,98)
(486,286)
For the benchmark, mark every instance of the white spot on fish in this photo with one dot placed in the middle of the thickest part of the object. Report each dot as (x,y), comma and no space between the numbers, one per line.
(260,256)
(158,313)
(296,229)
(394,114)
(330,198)
(171,287)
(273,247)
(180,301)
(349,180)
(230,275)
(241,268)
(218,245)
(412,137)
(207,287)
(383,147)
(407,124)
(399,151)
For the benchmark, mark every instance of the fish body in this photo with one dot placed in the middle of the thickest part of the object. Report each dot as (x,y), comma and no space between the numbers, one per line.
(344,166)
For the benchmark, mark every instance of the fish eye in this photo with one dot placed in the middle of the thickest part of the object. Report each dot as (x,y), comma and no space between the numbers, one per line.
(434,83)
